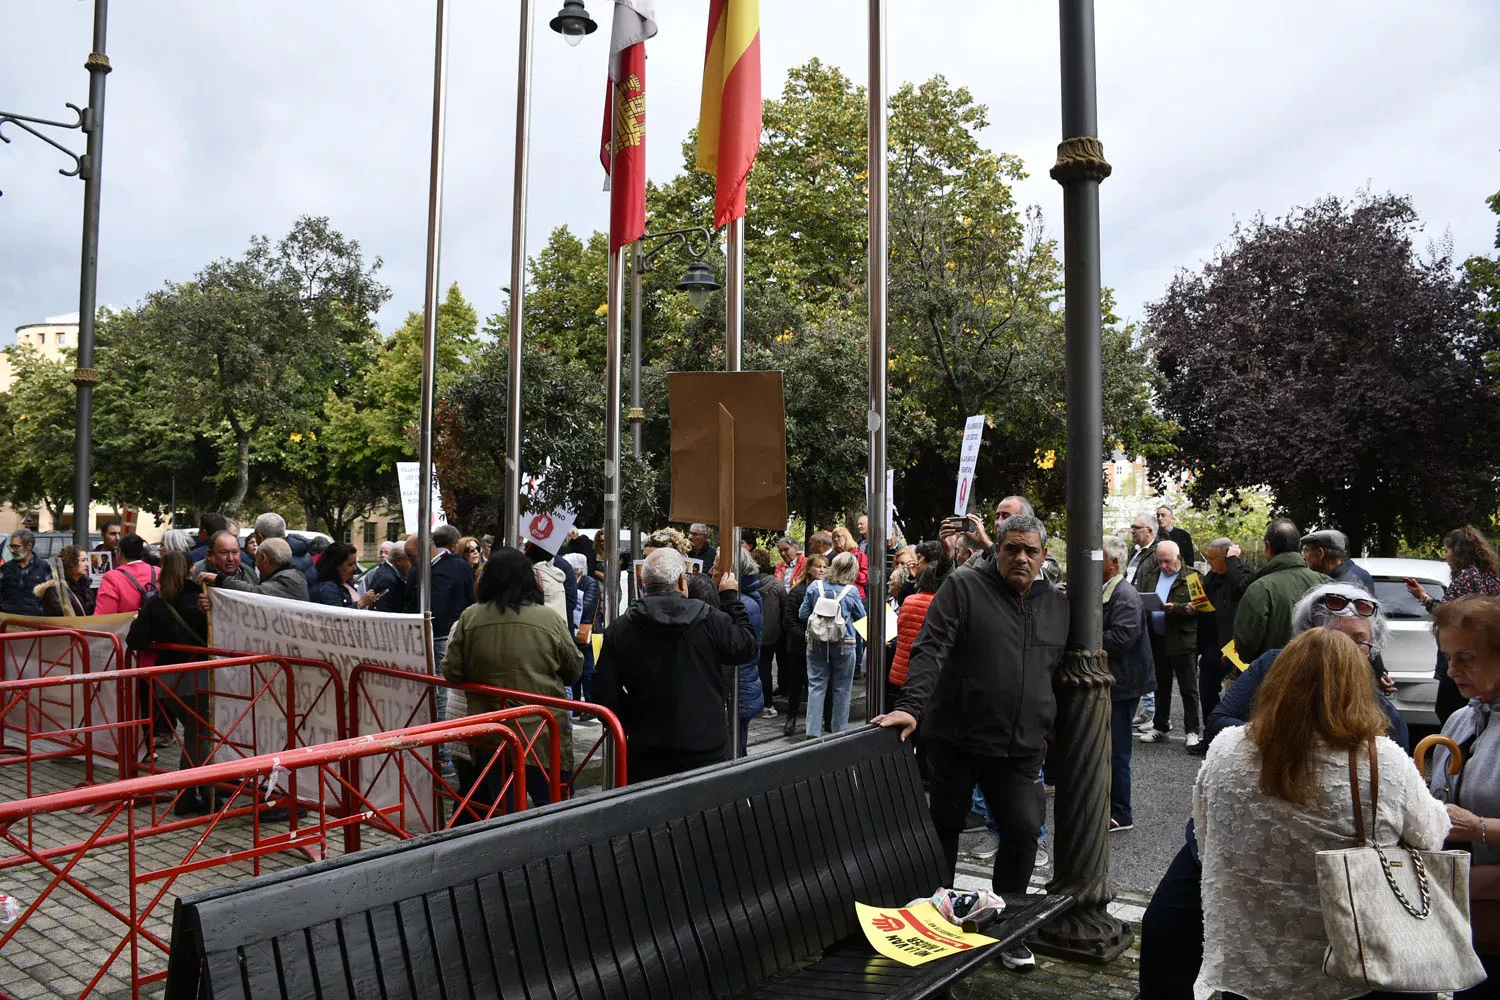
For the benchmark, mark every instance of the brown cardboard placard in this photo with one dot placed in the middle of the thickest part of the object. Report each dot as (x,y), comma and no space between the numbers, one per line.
(754,400)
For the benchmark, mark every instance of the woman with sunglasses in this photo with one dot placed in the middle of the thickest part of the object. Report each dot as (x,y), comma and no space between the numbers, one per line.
(1172,928)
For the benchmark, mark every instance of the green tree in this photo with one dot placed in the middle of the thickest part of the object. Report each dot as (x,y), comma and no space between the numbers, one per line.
(258,341)
(37,417)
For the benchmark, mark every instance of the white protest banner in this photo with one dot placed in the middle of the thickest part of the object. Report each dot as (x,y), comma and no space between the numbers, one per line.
(547,531)
(968,458)
(343,637)
(407,475)
(58,656)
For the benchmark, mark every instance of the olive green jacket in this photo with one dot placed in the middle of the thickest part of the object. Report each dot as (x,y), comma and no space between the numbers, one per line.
(1264,618)
(1181,636)
(527,650)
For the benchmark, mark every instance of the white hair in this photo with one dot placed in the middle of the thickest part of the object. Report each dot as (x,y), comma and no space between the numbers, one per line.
(578,561)
(1311,612)
(271,525)
(1114,548)
(663,568)
(177,540)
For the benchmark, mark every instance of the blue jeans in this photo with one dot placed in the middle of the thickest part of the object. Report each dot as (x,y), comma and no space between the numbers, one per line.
(440,697)
(1120,737)
(829,664)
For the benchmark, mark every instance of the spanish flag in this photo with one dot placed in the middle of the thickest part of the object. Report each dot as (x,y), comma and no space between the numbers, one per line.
(729,115)
(622,144)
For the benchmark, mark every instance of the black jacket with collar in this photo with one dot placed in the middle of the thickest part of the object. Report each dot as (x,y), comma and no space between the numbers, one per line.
(981,669)
(452,591)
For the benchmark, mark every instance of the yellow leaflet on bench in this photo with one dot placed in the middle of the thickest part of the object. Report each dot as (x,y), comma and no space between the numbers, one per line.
(913,935)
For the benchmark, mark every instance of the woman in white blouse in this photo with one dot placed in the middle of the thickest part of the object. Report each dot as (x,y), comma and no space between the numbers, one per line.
(1274,793)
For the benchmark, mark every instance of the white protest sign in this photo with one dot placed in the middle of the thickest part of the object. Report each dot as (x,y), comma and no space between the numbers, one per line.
(407,475)
(64,707)
(968,458)
(547,531)
(343,637)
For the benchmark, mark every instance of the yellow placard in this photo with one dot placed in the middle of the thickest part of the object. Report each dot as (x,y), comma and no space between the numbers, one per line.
(1233,656)
(861,627)
(598,640)
(914,935)
(1196,594)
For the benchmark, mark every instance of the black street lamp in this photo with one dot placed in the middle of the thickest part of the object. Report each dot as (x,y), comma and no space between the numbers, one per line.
(699,283)
(573,22)
(91,123)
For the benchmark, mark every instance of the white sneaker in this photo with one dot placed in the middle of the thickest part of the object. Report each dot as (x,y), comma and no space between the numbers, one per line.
(1152,736)
(1018,958)
(1043,859)
(987,848)
(1193,739)
(769,713)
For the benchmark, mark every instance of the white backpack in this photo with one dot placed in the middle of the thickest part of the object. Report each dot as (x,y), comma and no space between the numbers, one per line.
(827,621)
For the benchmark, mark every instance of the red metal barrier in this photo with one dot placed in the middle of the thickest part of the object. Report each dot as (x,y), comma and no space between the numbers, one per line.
(132,719)
(612,733)
(250,787)
(21,643)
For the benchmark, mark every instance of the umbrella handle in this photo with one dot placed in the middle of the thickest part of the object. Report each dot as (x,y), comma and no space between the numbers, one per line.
(1455,755)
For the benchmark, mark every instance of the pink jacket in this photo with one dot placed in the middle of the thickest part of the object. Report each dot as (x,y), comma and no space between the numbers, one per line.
(117,594)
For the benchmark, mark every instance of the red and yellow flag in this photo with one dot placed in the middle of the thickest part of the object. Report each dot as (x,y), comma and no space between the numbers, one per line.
(623,141)
(729,115)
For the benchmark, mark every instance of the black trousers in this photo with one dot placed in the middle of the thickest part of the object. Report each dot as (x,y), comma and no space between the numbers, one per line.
(1210,681)
(1185,669)
(1017,801)
(794,676)
(769,654)
(1172,931)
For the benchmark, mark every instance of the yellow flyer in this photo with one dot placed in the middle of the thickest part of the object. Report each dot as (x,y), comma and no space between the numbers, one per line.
(914,935)
(1196,594)
(1233,656)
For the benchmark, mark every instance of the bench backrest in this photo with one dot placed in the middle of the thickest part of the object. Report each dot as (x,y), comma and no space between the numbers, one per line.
(695,886)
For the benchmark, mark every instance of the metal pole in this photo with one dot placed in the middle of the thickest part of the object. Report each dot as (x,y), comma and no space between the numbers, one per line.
(84,376)
(612,351)
(1082,685)
(430,308)
(511,509)
(876,510)
(637,414)
(734,327)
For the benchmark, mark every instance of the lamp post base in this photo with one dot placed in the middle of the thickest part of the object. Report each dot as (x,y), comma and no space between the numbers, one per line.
(1087,933)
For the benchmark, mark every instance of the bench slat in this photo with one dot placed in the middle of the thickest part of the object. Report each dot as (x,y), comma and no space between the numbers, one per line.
(717,918)
(478,957)
(686,968)
(505,947)
(616,919)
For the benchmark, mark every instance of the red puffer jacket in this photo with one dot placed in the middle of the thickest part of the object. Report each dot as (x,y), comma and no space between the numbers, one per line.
(909,621)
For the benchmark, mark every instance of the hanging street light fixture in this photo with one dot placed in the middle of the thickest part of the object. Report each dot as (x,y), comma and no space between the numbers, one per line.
(573,22)
(699,283)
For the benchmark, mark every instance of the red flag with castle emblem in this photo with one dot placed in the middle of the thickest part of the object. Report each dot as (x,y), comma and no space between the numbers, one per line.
(622,144)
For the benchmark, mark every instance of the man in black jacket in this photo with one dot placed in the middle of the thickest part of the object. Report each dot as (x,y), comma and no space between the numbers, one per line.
(452,585)
(979,686)
(1134,670)
(1224,586)
(1167,530)
(661,669)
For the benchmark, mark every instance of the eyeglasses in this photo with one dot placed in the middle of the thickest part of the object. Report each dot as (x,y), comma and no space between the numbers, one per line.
(1341,605)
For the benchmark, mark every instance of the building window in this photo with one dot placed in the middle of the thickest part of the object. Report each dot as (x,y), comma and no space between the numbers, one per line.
(392,531)
(60,338)
(369,532)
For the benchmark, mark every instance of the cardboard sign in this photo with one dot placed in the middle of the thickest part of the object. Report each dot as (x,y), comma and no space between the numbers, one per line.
(754,400)
(914,935)
(968,458)
(407,474)
(547,531)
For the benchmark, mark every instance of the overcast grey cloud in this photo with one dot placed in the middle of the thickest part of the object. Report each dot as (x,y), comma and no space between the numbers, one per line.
(228,119)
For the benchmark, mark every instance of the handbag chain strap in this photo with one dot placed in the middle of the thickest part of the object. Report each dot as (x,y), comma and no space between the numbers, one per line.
(1423,885)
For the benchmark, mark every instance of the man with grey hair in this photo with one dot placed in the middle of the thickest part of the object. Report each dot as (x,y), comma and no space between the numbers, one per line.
(661,669)
(1172,622)
(22,573)
(981,548)
(792,561)
(1224,585)
(1327,552)
(701,549)
(273,525)
(979,687)
(1134,671)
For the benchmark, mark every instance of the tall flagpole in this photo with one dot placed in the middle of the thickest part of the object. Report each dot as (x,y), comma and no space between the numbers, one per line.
(429,310)
(512,508)
(876,510)
(734,328)
(614,341)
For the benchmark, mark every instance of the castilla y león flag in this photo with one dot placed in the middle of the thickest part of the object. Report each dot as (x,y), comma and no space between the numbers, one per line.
(729,115)
(622,146)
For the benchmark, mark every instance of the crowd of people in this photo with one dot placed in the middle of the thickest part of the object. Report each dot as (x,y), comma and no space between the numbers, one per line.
(1279,673)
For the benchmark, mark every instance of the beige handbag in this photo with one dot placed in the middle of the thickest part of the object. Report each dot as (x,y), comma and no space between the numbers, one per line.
(1399,921)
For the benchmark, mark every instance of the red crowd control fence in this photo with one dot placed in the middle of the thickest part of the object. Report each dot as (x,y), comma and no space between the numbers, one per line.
(26,651)
(94,825)
(368,712)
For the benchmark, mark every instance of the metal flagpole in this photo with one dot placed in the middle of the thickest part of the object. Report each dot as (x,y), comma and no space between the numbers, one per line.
(876,510)
(1087,932)
(429,310)
(637,414)
(84,376)
(613,348)
(734,326)
(512,507)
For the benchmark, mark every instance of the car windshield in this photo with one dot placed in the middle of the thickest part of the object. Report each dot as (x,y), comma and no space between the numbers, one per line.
(1398,604)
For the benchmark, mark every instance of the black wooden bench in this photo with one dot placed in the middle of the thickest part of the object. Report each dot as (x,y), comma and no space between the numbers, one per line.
(735,881)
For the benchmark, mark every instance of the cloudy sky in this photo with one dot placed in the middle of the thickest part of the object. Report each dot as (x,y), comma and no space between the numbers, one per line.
(232,118)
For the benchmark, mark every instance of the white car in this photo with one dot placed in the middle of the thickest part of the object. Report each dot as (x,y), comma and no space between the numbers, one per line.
(1411,655)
